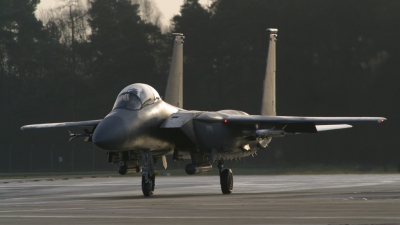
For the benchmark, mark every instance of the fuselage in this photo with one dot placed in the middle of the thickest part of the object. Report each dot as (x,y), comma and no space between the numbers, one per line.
(125,129)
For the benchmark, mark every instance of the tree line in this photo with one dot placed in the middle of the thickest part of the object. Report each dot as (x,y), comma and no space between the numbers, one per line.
(334,58)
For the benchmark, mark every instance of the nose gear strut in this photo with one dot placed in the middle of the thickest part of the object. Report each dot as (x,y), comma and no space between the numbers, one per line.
(148,174)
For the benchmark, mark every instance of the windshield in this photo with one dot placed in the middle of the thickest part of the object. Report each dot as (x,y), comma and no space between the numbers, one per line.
(129,101)
(136,96)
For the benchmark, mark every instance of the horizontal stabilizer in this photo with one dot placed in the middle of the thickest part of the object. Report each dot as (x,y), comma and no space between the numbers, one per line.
(89,123)
(332,127)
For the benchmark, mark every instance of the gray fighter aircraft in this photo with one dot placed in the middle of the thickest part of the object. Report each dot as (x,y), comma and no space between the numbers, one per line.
(142,128)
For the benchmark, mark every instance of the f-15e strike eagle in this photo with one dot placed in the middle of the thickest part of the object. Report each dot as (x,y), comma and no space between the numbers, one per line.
(142,128)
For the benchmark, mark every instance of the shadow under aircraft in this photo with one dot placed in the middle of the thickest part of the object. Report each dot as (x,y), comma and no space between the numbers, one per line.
(143,128)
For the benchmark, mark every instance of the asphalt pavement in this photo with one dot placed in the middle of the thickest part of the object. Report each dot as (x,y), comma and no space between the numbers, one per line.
(284,199)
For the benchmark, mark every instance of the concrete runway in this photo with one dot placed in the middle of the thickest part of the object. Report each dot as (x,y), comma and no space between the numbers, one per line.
(286,199)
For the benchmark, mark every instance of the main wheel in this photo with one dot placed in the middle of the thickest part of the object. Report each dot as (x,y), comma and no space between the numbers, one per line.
(147,187)
(226,178)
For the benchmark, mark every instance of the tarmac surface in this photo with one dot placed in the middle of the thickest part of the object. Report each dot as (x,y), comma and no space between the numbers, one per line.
(284,199)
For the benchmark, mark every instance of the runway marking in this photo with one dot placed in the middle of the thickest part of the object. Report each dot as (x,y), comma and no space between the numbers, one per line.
(202,217)
(17,204)
(37,210)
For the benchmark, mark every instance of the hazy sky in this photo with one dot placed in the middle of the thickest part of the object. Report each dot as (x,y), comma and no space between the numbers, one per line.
(168,8)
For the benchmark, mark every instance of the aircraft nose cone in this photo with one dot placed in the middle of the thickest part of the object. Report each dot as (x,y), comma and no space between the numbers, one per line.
(110,134)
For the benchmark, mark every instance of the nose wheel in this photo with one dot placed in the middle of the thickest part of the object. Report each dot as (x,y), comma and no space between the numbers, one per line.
(226,178)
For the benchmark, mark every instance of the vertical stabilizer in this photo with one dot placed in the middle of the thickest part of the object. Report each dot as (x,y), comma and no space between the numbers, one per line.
(174,91)
(268,104)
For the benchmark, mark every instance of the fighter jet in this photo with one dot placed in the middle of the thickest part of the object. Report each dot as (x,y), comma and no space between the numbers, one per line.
(142,128)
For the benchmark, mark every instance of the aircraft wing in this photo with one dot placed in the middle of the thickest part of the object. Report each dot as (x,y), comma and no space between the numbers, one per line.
(282,125)
(298,119)
(88,123)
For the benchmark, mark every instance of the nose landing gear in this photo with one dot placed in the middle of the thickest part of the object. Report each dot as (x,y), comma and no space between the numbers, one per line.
(148,186)
(226,178)
(148,174)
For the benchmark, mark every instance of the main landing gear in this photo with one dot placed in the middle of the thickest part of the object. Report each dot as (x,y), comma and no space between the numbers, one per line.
(226,178)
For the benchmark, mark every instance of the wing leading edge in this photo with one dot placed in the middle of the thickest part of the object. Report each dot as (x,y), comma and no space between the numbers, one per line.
(298,119)
(282,125)
(297,125)
(88,123)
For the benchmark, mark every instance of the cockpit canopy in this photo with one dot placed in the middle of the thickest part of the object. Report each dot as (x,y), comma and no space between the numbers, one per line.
(136,96)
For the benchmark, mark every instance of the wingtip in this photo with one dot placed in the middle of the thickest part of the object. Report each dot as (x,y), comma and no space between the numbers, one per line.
(382,120)
(22,128)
